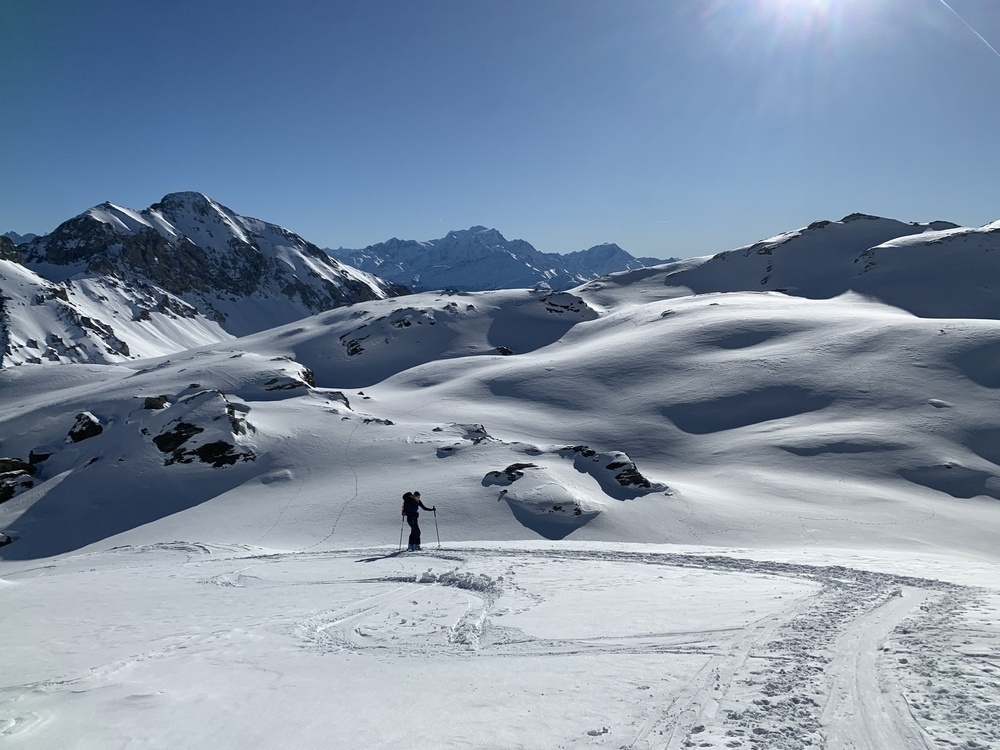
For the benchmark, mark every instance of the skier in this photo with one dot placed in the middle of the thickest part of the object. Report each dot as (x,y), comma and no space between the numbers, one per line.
(411,503)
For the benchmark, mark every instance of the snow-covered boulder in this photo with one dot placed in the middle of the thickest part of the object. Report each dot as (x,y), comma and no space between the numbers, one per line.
(205,427)
(87,426)
(614,471)
(544,499)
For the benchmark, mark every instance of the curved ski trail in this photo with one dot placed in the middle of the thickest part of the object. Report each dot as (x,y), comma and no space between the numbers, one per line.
(861,713)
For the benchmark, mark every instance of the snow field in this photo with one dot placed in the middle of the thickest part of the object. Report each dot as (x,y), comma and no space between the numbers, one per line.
(811,561)
(488,646)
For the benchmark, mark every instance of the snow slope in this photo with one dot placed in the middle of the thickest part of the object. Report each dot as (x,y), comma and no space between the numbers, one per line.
(931,270)
(93,319)
(741,519)
(816,261)
(959,264)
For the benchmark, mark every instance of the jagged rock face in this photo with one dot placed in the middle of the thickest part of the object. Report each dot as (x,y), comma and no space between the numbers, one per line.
(8,251)
(208,255)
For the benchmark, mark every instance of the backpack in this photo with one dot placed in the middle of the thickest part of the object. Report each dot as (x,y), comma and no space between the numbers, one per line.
(409,504)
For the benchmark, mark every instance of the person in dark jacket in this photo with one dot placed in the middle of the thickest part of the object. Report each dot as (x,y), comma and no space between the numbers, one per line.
(411,506)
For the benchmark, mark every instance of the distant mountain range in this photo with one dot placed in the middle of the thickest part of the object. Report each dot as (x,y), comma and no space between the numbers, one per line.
(18,239)
(481,259)
(115,284)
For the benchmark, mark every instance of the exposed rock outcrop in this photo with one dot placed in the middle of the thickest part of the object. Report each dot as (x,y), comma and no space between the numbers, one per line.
(87,426)
(15,477)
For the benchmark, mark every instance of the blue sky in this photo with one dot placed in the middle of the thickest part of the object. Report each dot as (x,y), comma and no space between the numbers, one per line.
(672,127)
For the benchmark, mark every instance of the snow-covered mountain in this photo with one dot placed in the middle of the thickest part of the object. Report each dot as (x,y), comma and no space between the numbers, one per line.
(606,258)
(695,517)
(481,259)
(114,283)
(931,270)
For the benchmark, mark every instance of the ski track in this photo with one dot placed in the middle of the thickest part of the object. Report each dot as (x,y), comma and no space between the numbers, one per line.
(871,661)
(857,685)
(815,675)
(778,683)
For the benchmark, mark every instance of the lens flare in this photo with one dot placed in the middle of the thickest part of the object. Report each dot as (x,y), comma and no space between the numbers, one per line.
(804,18)
(792,53)
(805,57)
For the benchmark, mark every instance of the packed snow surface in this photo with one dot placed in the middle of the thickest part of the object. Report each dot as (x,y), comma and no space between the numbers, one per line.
(663,520)
(183,644)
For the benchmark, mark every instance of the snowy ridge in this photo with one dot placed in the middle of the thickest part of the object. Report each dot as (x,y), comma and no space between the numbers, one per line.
(181,273)
(948,273)
(931,270)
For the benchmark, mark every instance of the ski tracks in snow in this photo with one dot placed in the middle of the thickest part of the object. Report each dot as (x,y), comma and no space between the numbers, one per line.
(861,712)
(688,650)
(820,673)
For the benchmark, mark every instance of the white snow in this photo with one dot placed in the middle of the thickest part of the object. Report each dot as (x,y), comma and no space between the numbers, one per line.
(88,318)
(123,220)
(786,537)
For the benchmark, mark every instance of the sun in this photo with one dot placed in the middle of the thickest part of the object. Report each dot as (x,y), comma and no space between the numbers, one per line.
(801,6)
(795,56)
(806,14)
(782,23)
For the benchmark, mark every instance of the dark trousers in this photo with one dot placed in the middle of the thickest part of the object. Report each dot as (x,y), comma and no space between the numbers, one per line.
(414,530)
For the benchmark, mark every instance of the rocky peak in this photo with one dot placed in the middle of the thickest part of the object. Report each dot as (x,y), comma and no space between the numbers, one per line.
(8,250)
(19,239)
(604,250)
(488,236)
(229,267)
(188,200)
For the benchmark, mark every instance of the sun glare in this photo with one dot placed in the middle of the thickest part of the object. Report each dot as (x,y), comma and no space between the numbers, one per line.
(806,7)
(796,15)
(807,15)
(775,24)
(792,54)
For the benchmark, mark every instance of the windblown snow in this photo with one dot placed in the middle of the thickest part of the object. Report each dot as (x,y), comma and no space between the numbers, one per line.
(667,516)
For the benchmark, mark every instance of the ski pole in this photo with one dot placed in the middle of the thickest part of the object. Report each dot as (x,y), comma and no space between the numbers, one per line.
(401,520)
(436,528)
